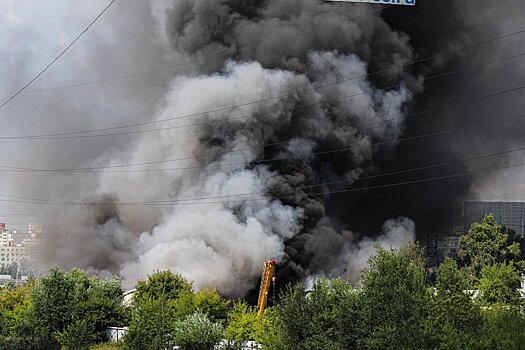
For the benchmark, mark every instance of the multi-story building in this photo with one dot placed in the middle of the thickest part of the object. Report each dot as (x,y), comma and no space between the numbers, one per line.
(509,214)
(449,246)
(20,247)
(14,253)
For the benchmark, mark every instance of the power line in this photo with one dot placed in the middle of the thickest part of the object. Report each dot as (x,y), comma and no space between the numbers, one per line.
(16,215)
(75,135)
(58,57)
(27,200)
(92,82)
(53,135)
(121,77)
(5,168)
(131,75)
(351,181)
(115,78)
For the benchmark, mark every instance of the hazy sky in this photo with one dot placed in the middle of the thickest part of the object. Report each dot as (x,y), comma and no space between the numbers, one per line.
(32,33)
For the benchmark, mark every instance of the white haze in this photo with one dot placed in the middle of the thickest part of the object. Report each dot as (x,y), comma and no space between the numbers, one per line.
(221,244)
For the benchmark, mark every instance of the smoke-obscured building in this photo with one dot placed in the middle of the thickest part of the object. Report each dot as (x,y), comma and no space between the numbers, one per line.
(509,214)
(21,248)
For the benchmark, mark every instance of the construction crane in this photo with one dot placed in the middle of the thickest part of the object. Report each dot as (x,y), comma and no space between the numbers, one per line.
(267,274)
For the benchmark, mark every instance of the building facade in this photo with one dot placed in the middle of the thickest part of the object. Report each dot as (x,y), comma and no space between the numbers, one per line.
(22,248)
(509,214)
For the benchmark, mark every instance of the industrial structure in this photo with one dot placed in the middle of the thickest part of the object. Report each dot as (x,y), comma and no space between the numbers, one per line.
(266,280)
(508,214)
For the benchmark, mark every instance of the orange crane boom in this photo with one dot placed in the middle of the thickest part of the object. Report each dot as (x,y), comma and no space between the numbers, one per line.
(267,274)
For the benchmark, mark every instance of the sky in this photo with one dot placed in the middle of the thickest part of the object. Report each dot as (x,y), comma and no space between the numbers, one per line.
(123,41)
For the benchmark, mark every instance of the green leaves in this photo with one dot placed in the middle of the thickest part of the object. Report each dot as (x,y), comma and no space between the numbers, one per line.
(242,323)
(75,308)
(197,332)
(161,302)
(453,320)
(486,244)
(499,284)
(325,317)
(162,284)
(503,328)
(393,301)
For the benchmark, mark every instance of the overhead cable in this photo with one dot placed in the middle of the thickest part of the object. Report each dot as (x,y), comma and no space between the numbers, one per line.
(99,169)
(181,201)
(57,57)
(53,135)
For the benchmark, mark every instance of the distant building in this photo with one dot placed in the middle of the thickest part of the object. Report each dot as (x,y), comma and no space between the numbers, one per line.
(509,214)
(14,253)
(35,227)
(23,248)
(128,297)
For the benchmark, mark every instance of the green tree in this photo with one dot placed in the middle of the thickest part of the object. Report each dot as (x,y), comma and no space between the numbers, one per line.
(503,328)
(486,244)
(197,332)
(269,330)
(74,308)
(393,300)
(499,283)
(323,318)
(453,320)
(242,323)
(162,284)
(150,326)
(154,310)
(11,269)
(13,301)
(207,301)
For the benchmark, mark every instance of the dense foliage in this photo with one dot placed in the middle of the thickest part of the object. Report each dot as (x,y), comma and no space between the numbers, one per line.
(475,304)
(486,244)
(165,300)
(69,309)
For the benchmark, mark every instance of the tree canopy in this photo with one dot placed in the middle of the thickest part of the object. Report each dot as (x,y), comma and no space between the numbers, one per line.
(475,305)
(488,243)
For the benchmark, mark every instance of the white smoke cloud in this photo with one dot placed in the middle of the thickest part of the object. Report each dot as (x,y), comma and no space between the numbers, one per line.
(224,243)
(396,234)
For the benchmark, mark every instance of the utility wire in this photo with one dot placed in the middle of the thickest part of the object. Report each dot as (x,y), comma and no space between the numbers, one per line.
(73,85)
(115,78)
(58,57)
(77,135)
(118,77)
(6,168)
(348,181)
(338,150)
(279,96)
(27,200)
(16,215)
(131,75)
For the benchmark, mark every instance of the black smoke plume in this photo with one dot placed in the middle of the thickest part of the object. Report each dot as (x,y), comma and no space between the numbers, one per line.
(312,66)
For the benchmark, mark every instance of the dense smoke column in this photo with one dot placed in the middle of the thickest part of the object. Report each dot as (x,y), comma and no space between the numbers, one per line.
(432,205)
(282,52)
(323,43)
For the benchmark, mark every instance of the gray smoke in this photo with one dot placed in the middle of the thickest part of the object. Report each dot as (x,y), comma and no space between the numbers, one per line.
(495,21)
(235,52)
